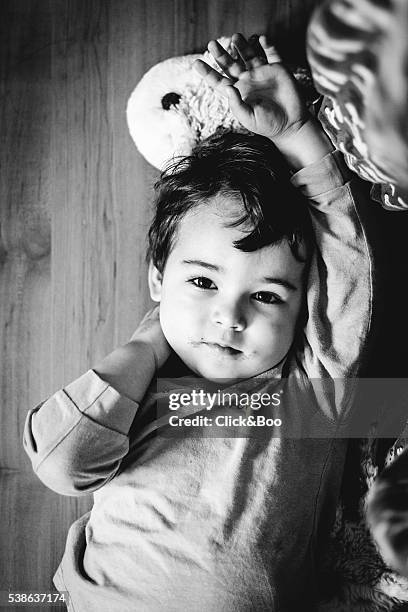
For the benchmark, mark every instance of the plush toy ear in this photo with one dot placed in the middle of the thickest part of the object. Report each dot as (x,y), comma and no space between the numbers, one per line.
(157,128)
(155,282)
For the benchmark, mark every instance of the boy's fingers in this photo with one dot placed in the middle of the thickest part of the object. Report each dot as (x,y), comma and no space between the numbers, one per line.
(270,51)
(231,67)
(212,77)
(241,110)
(257,48)
(252,54)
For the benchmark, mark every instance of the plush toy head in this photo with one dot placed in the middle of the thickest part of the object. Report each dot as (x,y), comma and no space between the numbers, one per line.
(172,108)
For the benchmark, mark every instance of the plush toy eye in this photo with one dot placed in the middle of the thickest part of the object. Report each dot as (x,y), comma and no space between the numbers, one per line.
(170,99)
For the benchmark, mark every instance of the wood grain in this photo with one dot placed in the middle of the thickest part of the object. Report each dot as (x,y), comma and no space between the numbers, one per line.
(24,219)
(33,530)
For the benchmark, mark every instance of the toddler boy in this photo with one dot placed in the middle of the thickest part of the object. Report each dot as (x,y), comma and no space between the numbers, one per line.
(249,295)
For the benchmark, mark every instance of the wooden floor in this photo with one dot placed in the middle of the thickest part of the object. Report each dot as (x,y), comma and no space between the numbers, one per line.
(75,198)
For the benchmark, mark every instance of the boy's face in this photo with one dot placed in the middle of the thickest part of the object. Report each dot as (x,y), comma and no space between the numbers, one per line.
(227,314)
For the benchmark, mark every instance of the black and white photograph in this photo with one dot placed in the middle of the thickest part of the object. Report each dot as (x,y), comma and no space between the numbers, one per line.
(204,305)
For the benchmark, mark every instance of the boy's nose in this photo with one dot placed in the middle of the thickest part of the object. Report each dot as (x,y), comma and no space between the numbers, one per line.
(229,316)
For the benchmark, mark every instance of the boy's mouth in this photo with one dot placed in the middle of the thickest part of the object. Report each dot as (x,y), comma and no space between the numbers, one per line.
(223,348)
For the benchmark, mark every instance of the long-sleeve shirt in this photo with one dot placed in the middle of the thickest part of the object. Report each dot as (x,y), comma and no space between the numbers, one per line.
(208,523)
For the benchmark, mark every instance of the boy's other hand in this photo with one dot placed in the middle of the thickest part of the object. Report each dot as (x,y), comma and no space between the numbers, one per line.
(263,96)
(150,332)
(131,367)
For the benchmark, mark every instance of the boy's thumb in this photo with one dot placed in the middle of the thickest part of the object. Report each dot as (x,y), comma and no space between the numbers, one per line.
(237,105)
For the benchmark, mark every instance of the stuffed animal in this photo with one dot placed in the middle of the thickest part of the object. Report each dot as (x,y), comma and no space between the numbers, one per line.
(172,107)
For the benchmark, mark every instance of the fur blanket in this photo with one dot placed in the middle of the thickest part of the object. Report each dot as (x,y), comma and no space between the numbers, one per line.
(353,576)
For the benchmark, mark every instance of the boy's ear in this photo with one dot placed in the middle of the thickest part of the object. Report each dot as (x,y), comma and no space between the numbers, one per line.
(155,282)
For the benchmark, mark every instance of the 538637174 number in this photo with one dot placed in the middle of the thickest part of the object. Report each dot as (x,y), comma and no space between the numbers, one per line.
(21,598)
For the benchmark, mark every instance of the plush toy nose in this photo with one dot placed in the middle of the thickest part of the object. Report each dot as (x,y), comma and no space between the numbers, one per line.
(170,99)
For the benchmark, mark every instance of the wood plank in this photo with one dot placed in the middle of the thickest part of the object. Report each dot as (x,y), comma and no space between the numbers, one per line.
(24,218)
(33,531)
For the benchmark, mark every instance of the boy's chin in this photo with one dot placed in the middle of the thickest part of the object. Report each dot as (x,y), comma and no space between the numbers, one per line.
(223,377)
(215,375)
(222,373)
(224,381)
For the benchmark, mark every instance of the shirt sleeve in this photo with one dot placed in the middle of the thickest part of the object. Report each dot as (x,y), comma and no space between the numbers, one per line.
(339,291)
(77,438)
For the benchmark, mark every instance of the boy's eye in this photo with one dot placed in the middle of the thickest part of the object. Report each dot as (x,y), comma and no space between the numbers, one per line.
(203,282)
(266,297)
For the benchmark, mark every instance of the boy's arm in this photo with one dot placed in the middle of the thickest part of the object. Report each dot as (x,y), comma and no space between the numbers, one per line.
(339,291)
(264,98)
(77,438)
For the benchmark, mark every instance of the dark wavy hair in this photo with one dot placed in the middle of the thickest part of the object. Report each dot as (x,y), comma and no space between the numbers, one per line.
(232,164)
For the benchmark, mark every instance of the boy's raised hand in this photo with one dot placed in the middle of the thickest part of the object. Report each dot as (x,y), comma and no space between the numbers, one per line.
(263,96)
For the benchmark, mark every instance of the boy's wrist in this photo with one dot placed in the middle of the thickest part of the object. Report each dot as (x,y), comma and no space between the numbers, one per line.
(305,144)
(129,369)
